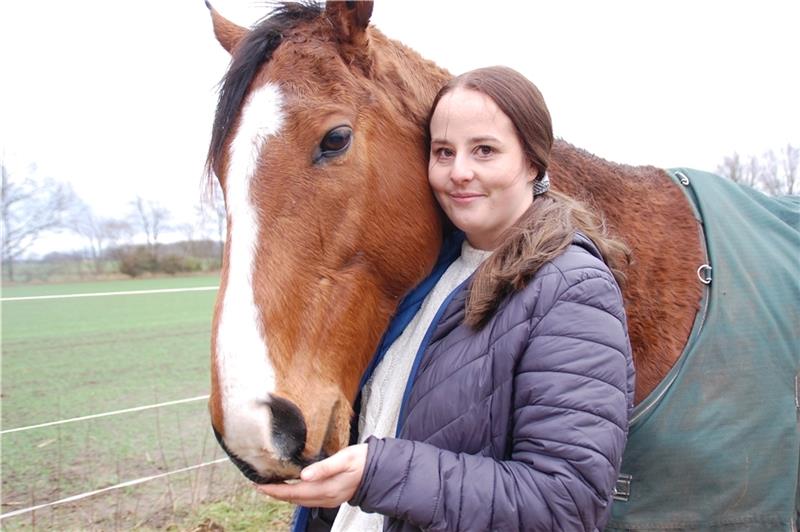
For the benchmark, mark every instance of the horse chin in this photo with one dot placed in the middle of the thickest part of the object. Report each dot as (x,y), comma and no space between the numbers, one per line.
(279,472)
(264,469)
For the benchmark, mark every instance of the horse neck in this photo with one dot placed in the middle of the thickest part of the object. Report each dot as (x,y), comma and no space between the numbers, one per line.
(414,80)
(649,212)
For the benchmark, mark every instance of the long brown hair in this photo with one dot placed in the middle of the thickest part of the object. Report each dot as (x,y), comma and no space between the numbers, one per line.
(547,228)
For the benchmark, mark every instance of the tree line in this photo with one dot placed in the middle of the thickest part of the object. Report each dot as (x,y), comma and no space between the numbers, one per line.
(33,208)
(773,172)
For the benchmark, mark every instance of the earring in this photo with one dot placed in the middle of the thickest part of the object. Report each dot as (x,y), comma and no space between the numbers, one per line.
(541,186)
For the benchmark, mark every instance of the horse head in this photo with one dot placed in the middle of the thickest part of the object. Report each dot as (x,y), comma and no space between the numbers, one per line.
(325,233)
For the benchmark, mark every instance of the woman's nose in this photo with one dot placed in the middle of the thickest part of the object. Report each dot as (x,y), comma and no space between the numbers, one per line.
(461,170)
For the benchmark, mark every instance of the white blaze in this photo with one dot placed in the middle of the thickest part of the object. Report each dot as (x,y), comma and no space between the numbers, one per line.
(243,368)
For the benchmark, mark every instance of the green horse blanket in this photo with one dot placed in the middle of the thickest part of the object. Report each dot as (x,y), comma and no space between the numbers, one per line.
(717,445)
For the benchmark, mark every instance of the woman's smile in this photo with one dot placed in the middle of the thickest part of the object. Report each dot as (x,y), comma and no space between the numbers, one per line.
(465,198)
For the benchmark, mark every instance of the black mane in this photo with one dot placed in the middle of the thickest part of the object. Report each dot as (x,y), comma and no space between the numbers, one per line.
(255,50)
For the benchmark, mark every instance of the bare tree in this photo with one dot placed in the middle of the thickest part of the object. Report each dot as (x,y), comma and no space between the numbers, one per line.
(152,218)
(190,234)
(30,209)
(791,161)
(731,168)
(773,173)
(212,210)
(752,172)
(769,176)
(738,171)
(99,232)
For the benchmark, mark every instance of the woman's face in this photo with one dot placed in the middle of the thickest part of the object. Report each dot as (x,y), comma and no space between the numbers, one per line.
(477,168)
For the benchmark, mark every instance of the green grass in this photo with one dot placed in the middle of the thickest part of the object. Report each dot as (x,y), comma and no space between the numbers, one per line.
(18,290)
(244,511)
(65,358)
(73,357)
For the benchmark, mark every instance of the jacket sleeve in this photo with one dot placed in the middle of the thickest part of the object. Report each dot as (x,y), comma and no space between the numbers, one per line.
(570,418)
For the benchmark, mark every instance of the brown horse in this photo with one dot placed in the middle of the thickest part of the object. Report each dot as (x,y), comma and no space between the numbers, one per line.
(318,145)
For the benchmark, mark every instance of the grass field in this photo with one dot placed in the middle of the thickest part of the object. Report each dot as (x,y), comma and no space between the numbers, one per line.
(65,358)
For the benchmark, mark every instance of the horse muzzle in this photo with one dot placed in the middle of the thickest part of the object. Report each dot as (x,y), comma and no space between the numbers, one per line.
(279,459)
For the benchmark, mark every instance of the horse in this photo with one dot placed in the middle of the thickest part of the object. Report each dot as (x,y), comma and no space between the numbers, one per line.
(318,144)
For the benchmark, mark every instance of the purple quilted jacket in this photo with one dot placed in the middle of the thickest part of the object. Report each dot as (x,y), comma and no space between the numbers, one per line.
(520,426)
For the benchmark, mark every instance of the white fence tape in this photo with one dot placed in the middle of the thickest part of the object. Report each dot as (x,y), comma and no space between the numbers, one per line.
(103,414)
(129,483)
(101,294)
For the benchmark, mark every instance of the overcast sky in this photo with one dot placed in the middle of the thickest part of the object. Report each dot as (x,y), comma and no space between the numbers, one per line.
(117,98)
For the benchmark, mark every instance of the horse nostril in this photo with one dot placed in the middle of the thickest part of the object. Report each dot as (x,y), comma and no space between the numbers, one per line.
(288,428)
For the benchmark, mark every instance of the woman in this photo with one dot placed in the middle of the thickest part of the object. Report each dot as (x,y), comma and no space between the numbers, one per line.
(517,409)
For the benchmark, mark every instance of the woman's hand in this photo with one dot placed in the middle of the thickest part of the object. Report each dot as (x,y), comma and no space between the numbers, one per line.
(327,483)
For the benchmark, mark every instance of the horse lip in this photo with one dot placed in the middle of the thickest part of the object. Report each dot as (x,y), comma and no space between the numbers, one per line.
(250,473)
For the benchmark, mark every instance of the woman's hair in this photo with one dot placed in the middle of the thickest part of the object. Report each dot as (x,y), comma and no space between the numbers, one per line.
(547,228)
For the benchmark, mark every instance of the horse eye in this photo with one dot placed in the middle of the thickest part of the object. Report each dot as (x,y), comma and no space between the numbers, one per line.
(336,141)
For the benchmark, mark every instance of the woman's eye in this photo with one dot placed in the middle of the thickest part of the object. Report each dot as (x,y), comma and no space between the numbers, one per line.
(485,150)
(444,153)
(336,141)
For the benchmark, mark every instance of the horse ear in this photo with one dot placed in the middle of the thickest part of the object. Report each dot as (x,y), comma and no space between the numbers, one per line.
(228,34)
(350,19)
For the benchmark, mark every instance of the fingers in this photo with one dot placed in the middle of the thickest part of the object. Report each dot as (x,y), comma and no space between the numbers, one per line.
(332,465)
(349,459)
(327,483)
(294,493)
(325,494)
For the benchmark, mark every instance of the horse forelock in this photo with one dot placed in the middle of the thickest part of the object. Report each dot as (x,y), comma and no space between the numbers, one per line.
(253,52)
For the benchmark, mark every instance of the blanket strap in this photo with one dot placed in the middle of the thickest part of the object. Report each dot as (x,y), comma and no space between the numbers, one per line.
(622,489)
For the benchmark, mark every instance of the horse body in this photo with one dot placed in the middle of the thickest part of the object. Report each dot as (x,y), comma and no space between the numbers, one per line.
(651,214)
(319,145)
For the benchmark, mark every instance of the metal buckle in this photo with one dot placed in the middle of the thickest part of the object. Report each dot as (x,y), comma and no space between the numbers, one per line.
(704,274)
(622,489)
